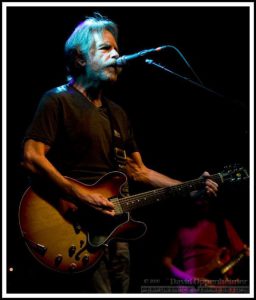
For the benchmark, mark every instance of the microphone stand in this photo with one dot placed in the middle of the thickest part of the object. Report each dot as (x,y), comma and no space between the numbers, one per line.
(151,62)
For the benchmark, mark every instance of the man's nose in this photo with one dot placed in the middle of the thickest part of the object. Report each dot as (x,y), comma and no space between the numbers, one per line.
(114,54)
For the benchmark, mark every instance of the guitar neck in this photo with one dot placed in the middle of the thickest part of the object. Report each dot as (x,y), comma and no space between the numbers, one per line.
(130,203)
(233,262)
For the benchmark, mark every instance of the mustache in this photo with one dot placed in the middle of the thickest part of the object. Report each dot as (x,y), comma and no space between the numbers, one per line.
(114,65)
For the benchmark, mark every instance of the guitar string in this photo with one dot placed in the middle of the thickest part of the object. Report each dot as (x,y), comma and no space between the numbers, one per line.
(179,187)
(137,200)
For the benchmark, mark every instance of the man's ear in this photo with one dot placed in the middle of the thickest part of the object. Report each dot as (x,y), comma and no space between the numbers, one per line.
(81,62)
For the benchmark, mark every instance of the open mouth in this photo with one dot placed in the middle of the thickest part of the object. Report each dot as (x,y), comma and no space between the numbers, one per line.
(112,69)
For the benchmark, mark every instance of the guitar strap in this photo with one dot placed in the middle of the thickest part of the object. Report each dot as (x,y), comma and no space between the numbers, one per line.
(118,146)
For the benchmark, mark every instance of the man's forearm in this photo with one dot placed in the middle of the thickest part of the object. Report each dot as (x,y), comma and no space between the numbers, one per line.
(156,179)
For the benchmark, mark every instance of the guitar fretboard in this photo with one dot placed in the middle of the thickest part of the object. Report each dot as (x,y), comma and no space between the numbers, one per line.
(139,200)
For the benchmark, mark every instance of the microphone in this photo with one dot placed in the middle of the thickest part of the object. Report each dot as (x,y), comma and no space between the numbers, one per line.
(121,61)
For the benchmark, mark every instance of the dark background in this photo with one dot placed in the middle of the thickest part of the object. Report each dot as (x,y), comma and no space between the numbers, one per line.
(181,129)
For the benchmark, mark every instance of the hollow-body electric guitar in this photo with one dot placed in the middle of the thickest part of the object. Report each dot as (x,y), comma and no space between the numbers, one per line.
(74,241)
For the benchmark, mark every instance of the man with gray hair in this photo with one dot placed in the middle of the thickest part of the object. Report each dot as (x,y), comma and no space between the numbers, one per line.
(73,133)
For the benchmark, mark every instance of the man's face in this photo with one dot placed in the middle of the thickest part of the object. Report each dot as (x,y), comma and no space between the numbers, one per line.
(102,55)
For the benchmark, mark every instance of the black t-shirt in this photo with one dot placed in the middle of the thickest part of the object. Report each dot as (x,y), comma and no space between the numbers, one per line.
(79,134)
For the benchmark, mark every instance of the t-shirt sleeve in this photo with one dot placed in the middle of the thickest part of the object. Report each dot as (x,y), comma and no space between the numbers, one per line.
(44,126)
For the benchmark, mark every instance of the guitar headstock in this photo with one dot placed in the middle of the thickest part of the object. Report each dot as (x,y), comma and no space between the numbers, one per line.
(234,173)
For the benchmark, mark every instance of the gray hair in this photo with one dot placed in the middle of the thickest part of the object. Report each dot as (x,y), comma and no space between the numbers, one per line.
(81,40)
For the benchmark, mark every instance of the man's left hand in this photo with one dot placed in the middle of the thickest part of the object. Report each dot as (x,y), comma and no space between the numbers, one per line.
(210,185)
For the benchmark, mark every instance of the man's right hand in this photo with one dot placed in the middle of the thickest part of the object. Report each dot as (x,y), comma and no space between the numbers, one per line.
(96,201)
(100,203)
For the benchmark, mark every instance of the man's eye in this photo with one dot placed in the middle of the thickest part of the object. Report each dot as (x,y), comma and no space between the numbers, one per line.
(105,48)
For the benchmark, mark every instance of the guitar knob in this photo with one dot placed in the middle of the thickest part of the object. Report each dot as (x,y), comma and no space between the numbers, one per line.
(72,267)
(58,259)
(85,259)
(72,250)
